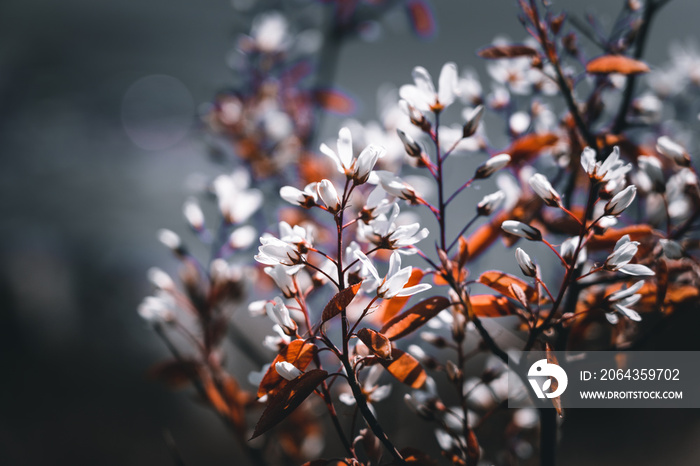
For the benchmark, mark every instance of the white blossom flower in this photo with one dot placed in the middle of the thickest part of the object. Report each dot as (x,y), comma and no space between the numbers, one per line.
(270,32)
(287,370)
(306,198)
(673,150)
(621,300)
(672,249)
(193,214)
(490,203)
(155,309)
(422,94)
(160,279)
(282,277)
(568,249)
(621,201)
(623,253)
(522,230)
(519,122)
(396,278)
(358,168)
(170,239)
(279,314)
(491,166)
(395,186)
(242,237)
(651,167)
(236,201)
(386,233)
(290,249)
(525,263)
(613,168)
(329,195)
(373,393)
(541,185)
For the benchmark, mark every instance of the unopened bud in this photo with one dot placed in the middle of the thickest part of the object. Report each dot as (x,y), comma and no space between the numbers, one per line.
(473,120)
(522,230)
(541,185)
(490,203)
(673,150)
(525,263)
(491,166)
(410,145)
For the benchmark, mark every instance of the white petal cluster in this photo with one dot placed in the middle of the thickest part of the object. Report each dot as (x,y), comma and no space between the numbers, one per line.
(612,169)
(422,94)
(395,280)
(289,250)
(619,259)
(358,168)
(621,301)
(236,201)
(279,314)
(384,231)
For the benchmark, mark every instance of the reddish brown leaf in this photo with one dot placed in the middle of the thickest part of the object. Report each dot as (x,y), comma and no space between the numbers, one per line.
(501,281)
(376,342)
(390,307)
(298,352)
(421,18)
(616,64)
(473,449)
(487,305)
(407,322)
(608,239)
(176,373)
(340,302)
(526,147)
(405,368)
(288,399)
(416,457)
(334,101)
(507,51)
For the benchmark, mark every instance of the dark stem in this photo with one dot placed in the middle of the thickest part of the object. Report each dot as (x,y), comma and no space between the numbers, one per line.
(650,8)
(548,436)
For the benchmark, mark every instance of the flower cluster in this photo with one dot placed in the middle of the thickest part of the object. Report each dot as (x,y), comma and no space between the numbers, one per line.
(375,280)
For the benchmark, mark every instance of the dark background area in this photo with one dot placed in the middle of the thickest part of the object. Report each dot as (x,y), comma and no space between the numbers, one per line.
(82,194)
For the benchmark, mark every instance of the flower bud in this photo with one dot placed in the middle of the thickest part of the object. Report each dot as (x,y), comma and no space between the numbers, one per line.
(673,150)
(490,203)
(541,185)
(410,145)
(491,166)
(473,120)
(328,194)
(453,372)
(652,167)
(366,161)
(287,370)
(279,314)
(621,201)
(172,241)
(193,214)
(522,230)
(525,263)
(672,249)
(306,198)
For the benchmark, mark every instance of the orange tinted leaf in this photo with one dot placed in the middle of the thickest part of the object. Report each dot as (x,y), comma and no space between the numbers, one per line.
(407,322)
(530,145)
(608,239)
(334,101)
(298,352)
(416,457)
(473,449)
(390,307)
(176,373)
(421,18)
(405,368)
(487,305)
(507,51)
(375,341)
(501,281)
(340,302)
(288,399)
(616,64)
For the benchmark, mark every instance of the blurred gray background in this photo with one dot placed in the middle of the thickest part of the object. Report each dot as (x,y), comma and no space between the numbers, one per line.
(85,185)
